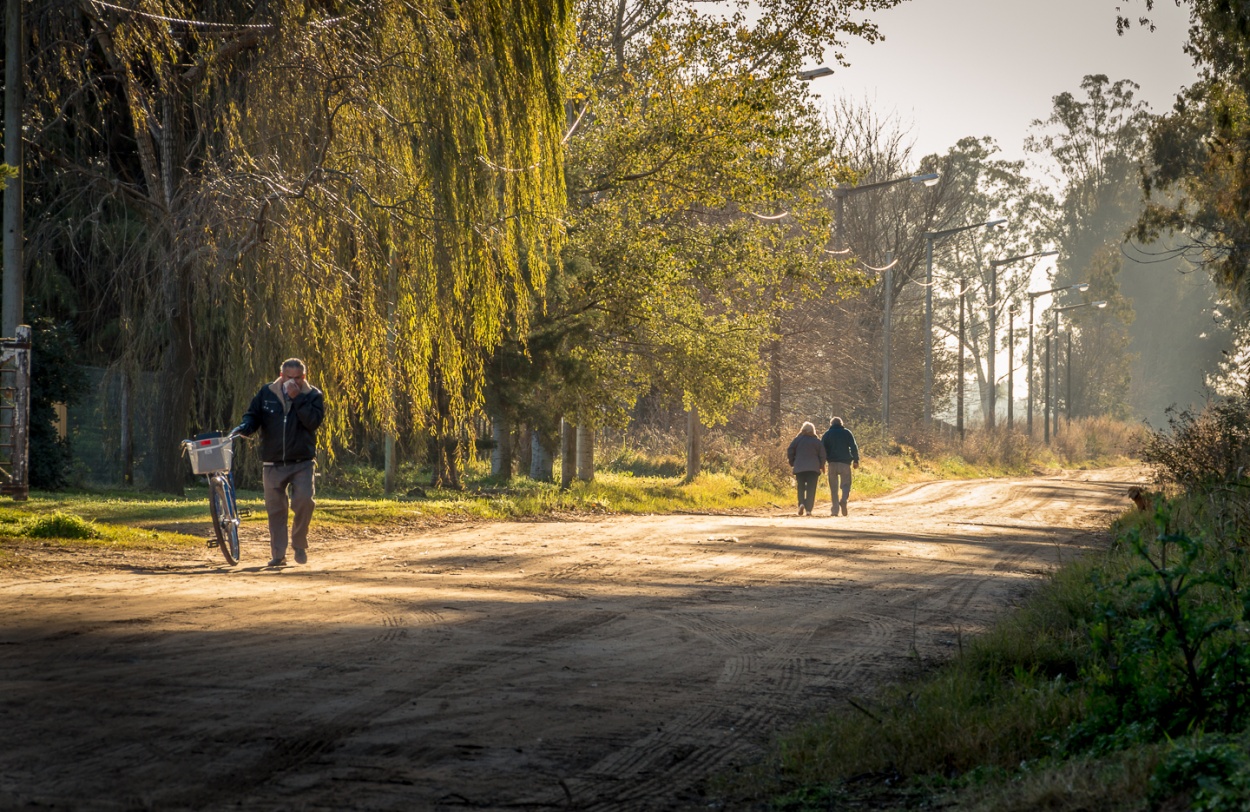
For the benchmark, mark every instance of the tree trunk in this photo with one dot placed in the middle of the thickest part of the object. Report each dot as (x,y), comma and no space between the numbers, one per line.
(524,449)
(388,464)
(774,388)
(541,462)
(585,452)
(694,444)
(568,453)
(127,442)
(501,452)
(445,468)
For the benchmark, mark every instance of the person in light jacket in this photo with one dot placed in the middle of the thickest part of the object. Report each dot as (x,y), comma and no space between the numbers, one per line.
(807,456)
(843,455)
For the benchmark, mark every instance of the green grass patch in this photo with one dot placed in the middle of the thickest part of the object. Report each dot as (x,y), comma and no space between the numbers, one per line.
(59,525)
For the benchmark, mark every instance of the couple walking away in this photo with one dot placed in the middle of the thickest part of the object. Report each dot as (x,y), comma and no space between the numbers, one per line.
(808,455)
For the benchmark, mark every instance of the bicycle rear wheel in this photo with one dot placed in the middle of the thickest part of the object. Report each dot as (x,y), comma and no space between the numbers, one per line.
(225,518)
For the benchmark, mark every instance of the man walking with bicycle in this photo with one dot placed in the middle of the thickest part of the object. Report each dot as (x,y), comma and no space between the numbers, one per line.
(287,412)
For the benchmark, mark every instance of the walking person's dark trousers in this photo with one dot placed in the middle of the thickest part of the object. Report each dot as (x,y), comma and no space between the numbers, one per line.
(297,477)
(807,481)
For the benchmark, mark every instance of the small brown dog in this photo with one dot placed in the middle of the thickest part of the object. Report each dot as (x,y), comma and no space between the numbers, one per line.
(1140,497)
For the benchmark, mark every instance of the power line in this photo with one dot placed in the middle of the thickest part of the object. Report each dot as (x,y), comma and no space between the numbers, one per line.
(182,21)
(206,24)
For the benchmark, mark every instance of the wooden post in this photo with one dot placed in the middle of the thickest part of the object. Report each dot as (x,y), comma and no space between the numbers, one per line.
(694,444)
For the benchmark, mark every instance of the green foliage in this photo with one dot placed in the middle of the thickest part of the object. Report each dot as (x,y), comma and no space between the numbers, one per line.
(1199,169)
(374,188)
(56,377)
(59,525)
(1171,640)
(693,177)
(7,173)
(1212,773)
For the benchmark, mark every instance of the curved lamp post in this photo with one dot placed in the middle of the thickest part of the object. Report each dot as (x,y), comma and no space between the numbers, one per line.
(992,417)
(842,192)
(1081,287)
(930,238)
(1054,333)
(814,73)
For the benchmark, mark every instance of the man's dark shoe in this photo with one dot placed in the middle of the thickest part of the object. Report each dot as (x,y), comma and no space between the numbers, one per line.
(276,562)
(301,556)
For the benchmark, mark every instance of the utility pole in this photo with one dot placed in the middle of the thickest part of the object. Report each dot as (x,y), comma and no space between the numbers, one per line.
(959,401)
(885,340)
(11,284)
(1068,403)
(1046,401)
(928,333)
(991,415)
(1011,369)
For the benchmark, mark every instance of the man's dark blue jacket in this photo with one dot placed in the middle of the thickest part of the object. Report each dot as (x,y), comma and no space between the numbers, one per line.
(840,445)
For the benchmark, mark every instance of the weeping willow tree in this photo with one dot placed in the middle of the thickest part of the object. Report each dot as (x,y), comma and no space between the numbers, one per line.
(371,186)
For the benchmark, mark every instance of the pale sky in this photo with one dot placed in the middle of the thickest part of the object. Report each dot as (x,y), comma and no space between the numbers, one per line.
(952,68)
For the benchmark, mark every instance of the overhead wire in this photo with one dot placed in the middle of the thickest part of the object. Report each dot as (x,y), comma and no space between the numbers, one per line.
(209,25)
(183,21)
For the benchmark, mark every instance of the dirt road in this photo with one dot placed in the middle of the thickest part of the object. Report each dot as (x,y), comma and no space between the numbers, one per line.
(607,664)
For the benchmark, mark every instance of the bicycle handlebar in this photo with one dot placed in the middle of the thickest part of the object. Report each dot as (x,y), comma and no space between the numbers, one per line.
(228,436)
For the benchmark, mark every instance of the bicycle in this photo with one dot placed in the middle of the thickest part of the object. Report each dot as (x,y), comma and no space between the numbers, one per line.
(211,456)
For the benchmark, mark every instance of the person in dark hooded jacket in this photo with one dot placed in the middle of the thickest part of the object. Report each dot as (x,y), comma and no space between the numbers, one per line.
(287,412)
(843,455)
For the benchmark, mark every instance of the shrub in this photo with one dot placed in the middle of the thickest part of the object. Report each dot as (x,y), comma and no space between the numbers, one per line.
(1170,642)
(56,378)
(1088,440)
(60,526)
(1215,775)
(1202,448)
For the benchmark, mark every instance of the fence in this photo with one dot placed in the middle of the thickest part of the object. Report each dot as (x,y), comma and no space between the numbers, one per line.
(96,428)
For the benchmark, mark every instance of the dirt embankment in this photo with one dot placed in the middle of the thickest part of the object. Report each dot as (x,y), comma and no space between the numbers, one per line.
(608,664)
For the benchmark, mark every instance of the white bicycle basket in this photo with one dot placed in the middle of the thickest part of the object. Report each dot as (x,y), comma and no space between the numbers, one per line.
(211,455)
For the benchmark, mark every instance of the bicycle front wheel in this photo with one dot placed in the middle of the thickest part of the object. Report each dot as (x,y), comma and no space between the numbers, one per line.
(225,518)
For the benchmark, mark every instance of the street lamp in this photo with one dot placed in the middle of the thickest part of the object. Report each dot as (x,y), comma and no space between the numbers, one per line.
(992,416)
(842,192)
(1055,333)
(887,285)
(814,73)
(1081,287)
(930,238)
